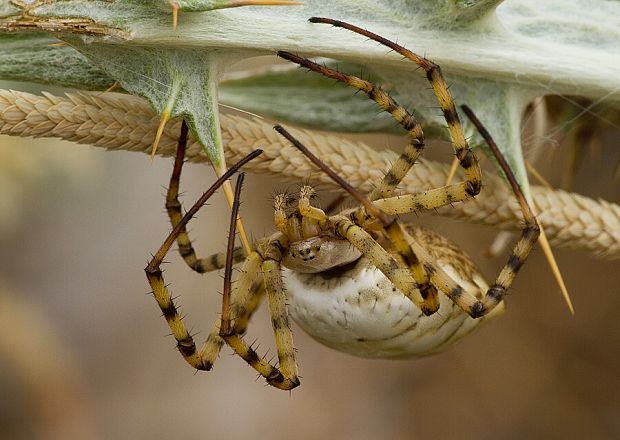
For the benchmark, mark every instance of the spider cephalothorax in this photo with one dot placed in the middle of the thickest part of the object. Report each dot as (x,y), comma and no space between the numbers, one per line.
(359,280)
(312,246)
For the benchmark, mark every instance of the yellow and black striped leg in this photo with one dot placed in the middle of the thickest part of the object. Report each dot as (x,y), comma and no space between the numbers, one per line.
(400,238)
(467,160)
(246,296)
(399,275)
(227,330)
(465,156)
(530,232)
(242,307)
(185,342)
(174,209)
(280,323)
(520,252)
(466,300)
(431,199)
(411,152)
(285,377)
(247,293)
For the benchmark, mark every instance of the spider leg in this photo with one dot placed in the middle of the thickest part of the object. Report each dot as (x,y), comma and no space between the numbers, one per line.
(213,344)
(246,296)
(268,260)
(467,159)
(494,295)
(175,213)
(402,277)
(185,342)
(411,152)
(400,238)
(279,317)
(244,303)
(285,377)
(245,299)
(530,232)
(431,199)
(529,235)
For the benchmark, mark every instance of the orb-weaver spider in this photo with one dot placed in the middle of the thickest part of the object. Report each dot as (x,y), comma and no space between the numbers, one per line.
(359,281)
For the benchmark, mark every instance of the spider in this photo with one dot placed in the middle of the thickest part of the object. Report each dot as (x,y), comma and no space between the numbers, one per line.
(360,281)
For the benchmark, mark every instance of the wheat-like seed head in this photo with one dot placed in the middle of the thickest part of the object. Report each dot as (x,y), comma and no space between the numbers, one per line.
(123,122)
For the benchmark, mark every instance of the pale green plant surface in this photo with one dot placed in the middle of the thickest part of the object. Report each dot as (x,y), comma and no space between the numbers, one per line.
(496,57)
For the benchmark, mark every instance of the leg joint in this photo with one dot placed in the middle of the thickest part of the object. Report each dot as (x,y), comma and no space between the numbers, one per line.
(496,293)
(173,204)
(477,310)
(153,272)
(467,159)
(472,188)
(532,230)
(186,347)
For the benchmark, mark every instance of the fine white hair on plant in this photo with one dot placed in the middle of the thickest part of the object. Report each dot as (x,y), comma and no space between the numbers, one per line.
(496,55)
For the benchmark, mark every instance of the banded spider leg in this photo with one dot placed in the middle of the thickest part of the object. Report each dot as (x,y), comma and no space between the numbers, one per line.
(185,343)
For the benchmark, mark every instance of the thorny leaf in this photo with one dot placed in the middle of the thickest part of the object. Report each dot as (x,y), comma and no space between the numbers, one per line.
(496,59)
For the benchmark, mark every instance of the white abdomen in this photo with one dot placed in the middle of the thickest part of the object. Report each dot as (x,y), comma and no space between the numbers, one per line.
(359,311)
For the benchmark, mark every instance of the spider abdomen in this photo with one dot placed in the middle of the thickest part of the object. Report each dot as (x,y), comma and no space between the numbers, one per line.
(357,310)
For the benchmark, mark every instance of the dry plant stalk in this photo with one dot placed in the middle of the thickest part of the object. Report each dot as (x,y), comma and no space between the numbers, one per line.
(124,122)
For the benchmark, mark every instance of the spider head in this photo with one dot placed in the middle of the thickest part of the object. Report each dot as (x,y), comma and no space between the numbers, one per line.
(319,253)
(312,247)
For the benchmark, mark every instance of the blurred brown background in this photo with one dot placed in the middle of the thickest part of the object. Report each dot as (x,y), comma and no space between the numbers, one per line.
(85,352)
